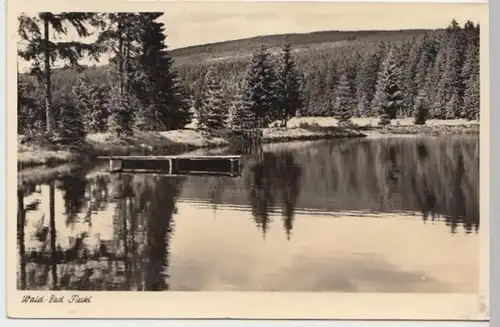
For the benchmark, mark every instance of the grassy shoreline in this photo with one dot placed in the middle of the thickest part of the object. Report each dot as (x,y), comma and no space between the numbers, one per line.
(171,141)
(300,129)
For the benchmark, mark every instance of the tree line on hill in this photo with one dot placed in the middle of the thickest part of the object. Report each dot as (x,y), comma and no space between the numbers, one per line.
(433,75)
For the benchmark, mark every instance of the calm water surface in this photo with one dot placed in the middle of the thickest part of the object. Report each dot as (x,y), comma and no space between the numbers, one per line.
(371,215)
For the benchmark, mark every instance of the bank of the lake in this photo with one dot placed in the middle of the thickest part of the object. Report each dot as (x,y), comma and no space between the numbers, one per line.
(420,130)
(30,155)
(299,129)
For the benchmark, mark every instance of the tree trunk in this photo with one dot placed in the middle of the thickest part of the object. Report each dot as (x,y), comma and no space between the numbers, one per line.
(52,223)
(21,221)
(48,87)
(126,60)
(126,260)
(120,55)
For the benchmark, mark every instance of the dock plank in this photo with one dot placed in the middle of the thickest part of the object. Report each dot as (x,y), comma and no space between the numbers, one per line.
(182,164)
(170,157)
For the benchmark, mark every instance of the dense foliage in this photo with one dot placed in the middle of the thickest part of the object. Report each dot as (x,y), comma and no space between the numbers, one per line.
(138,90)
(420,74)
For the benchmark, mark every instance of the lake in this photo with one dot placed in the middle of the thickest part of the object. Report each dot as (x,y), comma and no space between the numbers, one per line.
(398,214)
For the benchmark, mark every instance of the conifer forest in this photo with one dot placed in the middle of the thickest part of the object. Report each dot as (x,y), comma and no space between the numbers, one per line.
(422,74)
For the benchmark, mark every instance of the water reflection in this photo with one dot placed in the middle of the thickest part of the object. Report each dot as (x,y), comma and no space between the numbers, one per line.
(95,231)
(273,176)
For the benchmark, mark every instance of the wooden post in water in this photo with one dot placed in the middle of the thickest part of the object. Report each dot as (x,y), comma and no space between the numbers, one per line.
(232,168)
(115,164)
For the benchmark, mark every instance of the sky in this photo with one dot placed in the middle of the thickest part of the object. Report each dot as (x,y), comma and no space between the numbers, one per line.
(192,23)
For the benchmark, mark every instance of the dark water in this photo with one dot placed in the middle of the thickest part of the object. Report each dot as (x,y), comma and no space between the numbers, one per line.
(372,215)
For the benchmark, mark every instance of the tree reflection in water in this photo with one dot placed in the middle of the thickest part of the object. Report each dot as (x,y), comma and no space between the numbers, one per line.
(136,258)
(67,247)
(273,176)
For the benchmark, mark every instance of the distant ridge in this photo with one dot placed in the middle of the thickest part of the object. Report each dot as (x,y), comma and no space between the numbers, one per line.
(297,39)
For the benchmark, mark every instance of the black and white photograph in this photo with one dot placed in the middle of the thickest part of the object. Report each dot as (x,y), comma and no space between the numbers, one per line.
(284,147)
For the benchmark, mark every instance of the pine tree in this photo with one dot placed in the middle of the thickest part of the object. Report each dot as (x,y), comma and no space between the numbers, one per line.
(450,88)
(365,105)
(472,98)
(90,101)
(410,86)
(121,38)
(344,101)
(425,66)
(348,69)
(71,125)
(289,98)
(122,109)
(180,112)
(214,113)
(421,109)
(367,82)
(440,100)
(259,95)
(451,81)
(387,100)
(27,113)
(471,63)
(35,32)
(470,74)
(240,116)
(453,107)
(155,82)
(435,72)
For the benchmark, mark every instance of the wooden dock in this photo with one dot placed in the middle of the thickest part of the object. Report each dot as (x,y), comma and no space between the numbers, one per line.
(177,165)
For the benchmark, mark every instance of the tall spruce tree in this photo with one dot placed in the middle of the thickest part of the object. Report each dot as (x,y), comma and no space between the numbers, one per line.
(122,109)
(71,125)
(425,64)
(410,86)
(259,94)
(448,100)
(289,98)
(471,63)
(90,101)
(179,114)
(240,116)
(35,34)
(453,106)
(367,82)
(435,72)
(421,109)
(387,101)
(120,37)
(28,116)
(344,101)
(155,82)
(212,106)
(470,74)
(472,98)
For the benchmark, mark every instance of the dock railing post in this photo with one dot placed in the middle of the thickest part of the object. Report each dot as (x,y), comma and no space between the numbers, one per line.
(232,166)
(115,165)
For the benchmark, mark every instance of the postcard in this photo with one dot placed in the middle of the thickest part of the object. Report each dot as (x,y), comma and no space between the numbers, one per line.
(253,160)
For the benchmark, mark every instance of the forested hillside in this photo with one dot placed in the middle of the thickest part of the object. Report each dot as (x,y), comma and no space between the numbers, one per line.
(244,47)
(418,63)
(242,83)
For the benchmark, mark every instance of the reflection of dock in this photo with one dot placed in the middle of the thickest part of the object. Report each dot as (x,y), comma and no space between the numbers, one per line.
(228,165)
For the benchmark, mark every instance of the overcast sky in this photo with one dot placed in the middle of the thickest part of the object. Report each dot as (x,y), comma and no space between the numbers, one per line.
(192,23)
